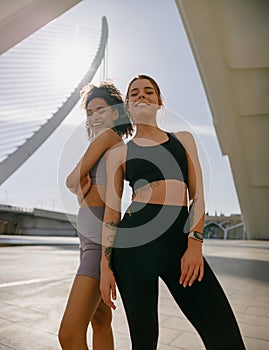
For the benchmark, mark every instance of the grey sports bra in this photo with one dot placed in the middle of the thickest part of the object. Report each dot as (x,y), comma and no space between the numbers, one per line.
(98,172)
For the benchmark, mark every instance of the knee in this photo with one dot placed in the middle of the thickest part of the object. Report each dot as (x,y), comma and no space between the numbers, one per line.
(101,320)
(66,335)
(62,336)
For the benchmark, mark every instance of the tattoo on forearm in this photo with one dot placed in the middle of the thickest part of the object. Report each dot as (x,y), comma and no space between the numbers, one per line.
(111,226)
(108,253)
(110,239)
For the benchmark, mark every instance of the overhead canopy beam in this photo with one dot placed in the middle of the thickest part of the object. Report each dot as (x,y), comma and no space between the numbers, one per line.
(19,19)
(18,157)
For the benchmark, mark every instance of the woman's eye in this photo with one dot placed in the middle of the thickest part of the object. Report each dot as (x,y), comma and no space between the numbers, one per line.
(133,94)
(149,93)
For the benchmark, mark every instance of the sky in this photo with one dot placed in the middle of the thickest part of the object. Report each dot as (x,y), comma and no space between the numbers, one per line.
(145,37)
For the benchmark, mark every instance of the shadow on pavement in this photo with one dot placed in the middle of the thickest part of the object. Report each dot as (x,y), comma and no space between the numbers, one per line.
(246,268)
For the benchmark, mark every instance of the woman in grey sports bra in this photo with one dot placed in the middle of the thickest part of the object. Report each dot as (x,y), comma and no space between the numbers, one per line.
(106,125)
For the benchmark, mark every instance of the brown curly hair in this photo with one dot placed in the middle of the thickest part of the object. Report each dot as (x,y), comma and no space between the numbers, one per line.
(113,97)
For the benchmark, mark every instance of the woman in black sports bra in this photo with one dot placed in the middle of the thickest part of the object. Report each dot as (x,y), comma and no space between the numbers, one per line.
(161,233)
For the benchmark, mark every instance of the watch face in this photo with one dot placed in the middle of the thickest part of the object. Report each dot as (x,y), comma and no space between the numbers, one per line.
(198,235)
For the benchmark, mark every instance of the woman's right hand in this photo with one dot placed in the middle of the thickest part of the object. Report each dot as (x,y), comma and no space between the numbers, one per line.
(108,286)
(192,264)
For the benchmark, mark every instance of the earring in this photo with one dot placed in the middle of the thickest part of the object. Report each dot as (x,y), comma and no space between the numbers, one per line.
(160,113)
(89,130)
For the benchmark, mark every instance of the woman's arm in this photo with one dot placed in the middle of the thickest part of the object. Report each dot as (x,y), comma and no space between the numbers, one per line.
(114,189)
(84,188)
(99,146)
(192,265)
(195,185)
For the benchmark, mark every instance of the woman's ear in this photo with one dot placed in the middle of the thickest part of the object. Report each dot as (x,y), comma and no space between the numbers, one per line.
(115,115)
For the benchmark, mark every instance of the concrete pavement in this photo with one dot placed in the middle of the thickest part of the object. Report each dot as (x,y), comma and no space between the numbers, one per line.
(36,275)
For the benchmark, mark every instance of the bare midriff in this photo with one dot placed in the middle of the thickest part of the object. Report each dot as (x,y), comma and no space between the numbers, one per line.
(165,192)
(95,197)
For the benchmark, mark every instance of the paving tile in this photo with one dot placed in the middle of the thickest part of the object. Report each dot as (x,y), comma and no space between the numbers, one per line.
(22,338)
(15,314)
(178,324)
(253,320)
(253,331)
(256,344)
(168,347)
(188,341)
(257,301)
(163,318)
(124,347)
(119,323)
(122,341)
(170,311)
(4,347)
(238,308)
(168,335)
(258,311)
(5,322)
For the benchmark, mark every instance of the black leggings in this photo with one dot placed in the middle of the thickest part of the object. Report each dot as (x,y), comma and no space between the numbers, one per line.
(137,268)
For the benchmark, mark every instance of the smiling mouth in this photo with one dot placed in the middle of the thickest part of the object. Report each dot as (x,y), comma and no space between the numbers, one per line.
(141,104)
(96,124)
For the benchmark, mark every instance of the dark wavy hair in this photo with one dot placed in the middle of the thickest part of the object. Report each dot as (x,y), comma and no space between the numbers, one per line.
(113,97)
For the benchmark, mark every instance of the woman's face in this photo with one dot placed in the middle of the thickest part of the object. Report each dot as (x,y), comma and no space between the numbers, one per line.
(100,115)
(143,101)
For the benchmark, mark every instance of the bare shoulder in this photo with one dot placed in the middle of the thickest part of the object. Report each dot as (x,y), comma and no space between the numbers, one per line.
(108,135)
(103,141)
(186,138)
(117,153)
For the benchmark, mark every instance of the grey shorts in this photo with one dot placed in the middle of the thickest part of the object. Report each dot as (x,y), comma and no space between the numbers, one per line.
(89,228)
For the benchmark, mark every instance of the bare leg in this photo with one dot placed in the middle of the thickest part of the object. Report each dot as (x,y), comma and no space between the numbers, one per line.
(83,300)
(102,330)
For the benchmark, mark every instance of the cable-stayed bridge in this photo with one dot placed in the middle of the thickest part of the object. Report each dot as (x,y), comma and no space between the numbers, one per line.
(40,82)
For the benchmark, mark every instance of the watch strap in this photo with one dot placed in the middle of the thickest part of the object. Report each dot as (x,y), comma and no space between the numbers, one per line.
(196,235)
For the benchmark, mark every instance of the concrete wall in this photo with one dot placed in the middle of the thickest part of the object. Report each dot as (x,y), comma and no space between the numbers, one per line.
(229,40)
(36,222)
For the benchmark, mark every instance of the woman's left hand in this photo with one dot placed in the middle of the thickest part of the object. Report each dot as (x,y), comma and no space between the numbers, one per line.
(192,264)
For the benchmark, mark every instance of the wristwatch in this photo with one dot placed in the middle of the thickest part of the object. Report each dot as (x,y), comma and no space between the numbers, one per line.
(196,235)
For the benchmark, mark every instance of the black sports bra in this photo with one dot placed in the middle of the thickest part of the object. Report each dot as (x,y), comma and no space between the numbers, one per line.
(146,164)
